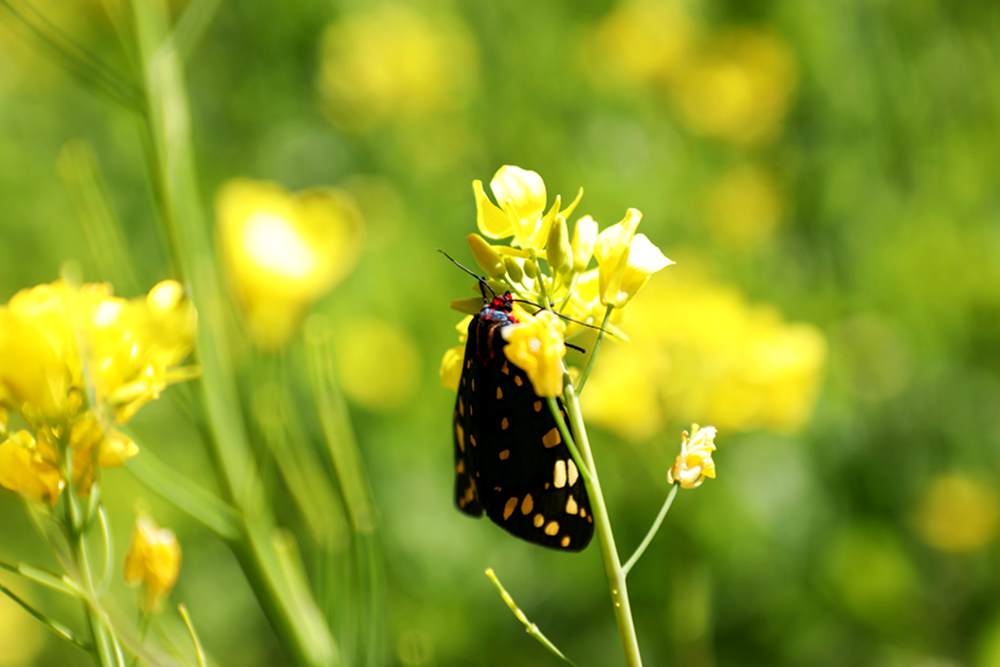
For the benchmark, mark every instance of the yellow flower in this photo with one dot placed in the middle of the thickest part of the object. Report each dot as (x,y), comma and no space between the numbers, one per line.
(520,208)
(390,62)
(626,260)
(283,251)
(958,514)
(153,560)
(76,360)
(95,445)
(750,369)
(739,88)
(638,41)
(536,345)
(451,362)
(28,470)
(694,464)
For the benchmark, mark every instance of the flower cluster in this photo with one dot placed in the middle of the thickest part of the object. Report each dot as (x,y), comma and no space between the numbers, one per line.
(547,265)
(74,362)
(698,347)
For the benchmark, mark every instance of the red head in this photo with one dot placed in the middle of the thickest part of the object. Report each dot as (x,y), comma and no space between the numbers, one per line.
(504,302)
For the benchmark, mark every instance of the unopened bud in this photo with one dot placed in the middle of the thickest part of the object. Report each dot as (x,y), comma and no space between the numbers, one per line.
(558,250)
(530,268)
(513,269)
(584,238)
(488,259)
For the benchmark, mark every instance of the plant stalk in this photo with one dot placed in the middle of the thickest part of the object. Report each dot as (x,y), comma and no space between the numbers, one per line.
(617,586)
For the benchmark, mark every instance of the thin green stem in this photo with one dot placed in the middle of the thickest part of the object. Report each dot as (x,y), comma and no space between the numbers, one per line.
(627,567)
(103,646)
(568,437)
(530,627)
(585,375)
(199,652)
(617,585)
(39,576)
(55,626)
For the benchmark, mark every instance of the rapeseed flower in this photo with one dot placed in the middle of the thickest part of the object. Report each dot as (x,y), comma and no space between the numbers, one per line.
(153,561)
(283,251)
(626,260)
(74,362)
(694,464)
(536,345)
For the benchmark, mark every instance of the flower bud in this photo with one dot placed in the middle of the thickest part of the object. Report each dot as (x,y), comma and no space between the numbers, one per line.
(513,269)
(530,268)
(486,256)
(558,250)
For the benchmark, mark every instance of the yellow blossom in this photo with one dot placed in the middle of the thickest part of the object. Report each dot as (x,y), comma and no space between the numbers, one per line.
(536,345)
(750,369)
(451,362)
(626,260)
(283,251)
(27,470)
(76,360)
(520,207)
(694,464)
(739,88)
(638,41)
(153,560)
(958,514)
(389,62)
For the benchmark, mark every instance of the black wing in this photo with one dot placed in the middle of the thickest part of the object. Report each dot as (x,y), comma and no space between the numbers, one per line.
(519,469)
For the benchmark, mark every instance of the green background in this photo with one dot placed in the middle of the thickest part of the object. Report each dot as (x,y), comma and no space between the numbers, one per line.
(808,548)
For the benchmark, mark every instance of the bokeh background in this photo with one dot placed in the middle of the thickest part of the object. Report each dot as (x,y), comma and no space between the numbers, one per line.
(825,176)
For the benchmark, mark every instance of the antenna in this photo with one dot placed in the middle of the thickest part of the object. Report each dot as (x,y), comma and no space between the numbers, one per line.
(565,317)
(482,281)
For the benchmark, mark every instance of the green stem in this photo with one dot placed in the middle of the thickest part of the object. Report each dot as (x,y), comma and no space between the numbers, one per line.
(55,626)
(104,652)
(652,530)
(279,586)
(199,652)
(605,537)
(593,354)
(531,628)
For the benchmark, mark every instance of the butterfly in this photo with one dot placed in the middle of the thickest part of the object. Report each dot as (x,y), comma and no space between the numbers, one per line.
(510,458)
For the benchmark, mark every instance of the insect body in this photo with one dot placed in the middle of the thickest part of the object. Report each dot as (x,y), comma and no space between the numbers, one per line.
(510,459)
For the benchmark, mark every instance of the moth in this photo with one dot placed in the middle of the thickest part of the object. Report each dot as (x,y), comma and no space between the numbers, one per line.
(510,458)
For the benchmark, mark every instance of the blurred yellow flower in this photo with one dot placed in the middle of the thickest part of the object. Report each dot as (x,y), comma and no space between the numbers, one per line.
(74,361)
(27,471)
(520,208)
(536,345)
(639,41)
(699,348)
(738,88)
(389,61)
(744,206)
(958,514)
(283,251)
(451,362)
(694,464)
(153,560)
(626,260)
(378,363)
